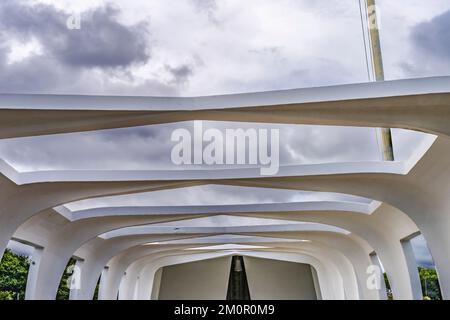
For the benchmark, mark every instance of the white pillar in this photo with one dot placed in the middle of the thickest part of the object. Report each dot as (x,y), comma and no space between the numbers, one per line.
(146,288)
(156,284)
(75,285)
(32,273)
(316,283)
(122,292)
(435,230)
(128,285)
(395,266)
(92,271)
(103,281)
(412,269)
(112,282)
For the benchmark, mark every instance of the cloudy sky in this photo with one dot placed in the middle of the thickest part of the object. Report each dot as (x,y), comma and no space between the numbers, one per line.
(203,47)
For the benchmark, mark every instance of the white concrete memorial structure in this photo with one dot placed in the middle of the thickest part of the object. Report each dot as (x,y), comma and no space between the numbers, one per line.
(125,246)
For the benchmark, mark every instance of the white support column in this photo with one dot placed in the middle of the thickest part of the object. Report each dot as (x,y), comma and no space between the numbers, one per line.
(435,229)
(412,269)
(147,290)
(128,285)
(103,281)
(32,273)
(92,271)
(75,280)
(122,292)
(316,283)
(113,281)
(156,281)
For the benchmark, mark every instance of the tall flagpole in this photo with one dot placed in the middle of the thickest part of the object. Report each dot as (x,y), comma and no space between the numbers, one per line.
(377,60)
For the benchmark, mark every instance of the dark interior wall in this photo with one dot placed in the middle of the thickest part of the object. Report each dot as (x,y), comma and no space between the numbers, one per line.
(279,280)
(202,280)
(208,280)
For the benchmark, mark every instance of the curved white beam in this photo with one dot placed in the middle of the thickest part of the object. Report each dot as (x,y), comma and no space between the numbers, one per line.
(419,104)
(120,263)
(149,229)
(99,251)
(204,176)
(419,190)
(145,283)
(336,218)
(361,207)
(348,247)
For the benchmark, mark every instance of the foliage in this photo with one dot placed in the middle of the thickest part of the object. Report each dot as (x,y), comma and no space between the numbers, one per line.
(14,272)
(430,284)
(388,287)
(13,276)
(97,287)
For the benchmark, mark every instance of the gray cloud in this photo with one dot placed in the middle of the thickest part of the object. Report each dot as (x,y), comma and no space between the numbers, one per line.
(433,37)
(430,42)
(36,74)
(206,4)
(180,73)
(101,42)
(209,7)
(234,49)
(136,148)
(93,60)
(421,252)
(150,147)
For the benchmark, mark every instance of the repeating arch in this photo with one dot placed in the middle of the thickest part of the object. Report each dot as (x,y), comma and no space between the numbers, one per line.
(407,197)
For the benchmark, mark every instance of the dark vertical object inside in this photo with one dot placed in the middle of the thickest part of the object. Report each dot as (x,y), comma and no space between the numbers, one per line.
(237,284)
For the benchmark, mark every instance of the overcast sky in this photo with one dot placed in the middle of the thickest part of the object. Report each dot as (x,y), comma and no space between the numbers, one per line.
(202,47)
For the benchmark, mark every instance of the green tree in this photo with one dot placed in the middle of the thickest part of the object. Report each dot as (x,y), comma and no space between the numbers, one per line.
(13,276)
(97,288)
(430,284)
(388,287)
